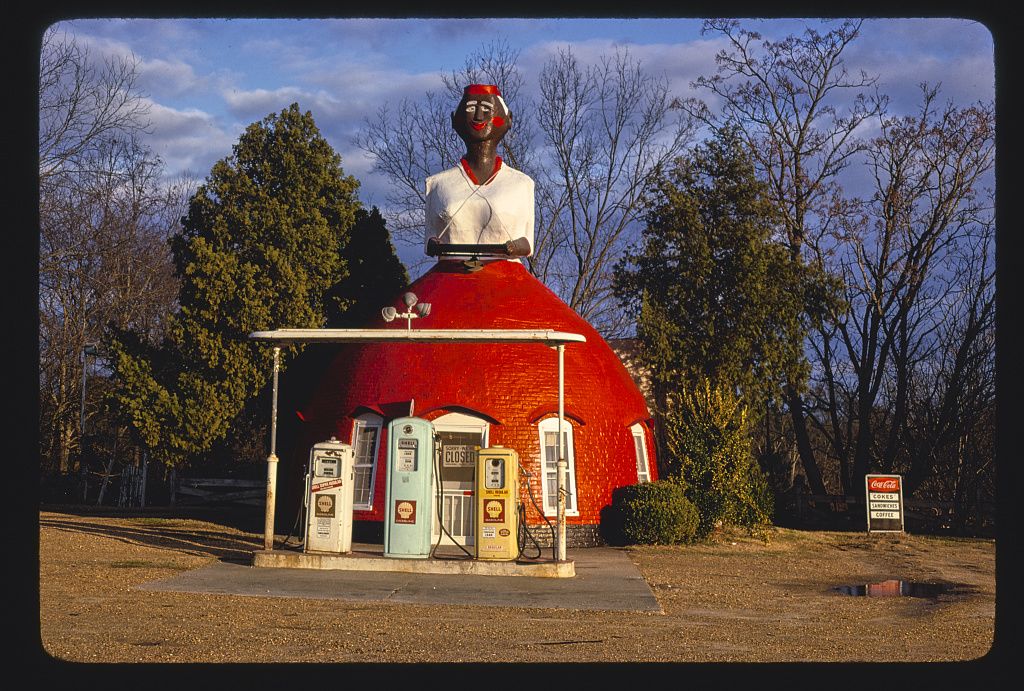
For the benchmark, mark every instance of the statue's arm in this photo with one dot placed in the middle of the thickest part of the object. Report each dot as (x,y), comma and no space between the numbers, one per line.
(430,216)
(523,245)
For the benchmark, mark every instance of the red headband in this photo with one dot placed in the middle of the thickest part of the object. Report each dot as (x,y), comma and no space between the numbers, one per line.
(481,90)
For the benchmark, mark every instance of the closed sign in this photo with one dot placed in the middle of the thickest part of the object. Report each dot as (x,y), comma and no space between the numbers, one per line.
(459,456)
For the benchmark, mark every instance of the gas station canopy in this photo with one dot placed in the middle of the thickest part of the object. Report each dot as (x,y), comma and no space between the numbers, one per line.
(416,335)
(557,339)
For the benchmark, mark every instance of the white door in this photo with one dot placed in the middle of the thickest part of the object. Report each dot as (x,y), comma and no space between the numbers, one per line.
(460,435)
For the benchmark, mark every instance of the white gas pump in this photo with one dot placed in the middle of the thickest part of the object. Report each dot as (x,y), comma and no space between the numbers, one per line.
(329,492)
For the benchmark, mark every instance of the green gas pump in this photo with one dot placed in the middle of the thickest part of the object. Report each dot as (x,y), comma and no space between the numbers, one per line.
(407,520)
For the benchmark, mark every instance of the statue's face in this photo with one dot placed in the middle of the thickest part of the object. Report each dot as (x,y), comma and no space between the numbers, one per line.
(480,117)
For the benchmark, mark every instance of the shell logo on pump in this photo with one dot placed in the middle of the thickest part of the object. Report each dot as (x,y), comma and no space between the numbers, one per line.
(405,511)
(325,505)
(495,510)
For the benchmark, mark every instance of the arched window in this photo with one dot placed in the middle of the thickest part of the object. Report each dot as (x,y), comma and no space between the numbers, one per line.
(365,442)
(548,429)
(643,469)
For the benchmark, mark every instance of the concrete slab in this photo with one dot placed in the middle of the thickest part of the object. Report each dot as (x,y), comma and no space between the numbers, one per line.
(367,558)
(605,580)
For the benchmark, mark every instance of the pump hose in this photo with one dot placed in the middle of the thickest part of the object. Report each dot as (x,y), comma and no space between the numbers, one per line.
(291,533)
(440,518)
(298,517)
(533,500)
(523,534)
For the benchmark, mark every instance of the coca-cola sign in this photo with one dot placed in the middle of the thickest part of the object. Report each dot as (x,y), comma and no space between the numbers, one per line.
(884,484)
(884,503)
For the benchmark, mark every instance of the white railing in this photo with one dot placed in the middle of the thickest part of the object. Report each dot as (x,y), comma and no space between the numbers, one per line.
(457,513)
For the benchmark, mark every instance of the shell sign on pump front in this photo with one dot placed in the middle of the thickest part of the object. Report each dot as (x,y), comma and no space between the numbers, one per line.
(324,505)
(884,503)
(494,511)
(405,511)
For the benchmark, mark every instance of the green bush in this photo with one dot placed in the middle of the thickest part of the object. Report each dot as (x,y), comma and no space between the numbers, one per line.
(710,447)
(652,513)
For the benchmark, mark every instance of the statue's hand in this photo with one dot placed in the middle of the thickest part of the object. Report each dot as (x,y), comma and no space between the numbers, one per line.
(520,247)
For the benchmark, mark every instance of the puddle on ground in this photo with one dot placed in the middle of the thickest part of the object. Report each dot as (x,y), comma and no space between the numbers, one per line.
(897,588)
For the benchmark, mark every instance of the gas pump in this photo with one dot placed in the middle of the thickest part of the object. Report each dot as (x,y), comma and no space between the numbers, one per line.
(497,491)
(329,493)
(407,520)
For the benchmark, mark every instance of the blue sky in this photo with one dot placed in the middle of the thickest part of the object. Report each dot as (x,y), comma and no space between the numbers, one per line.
(207,79)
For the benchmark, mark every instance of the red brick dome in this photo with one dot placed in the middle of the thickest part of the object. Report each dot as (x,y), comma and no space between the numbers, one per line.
(513,386)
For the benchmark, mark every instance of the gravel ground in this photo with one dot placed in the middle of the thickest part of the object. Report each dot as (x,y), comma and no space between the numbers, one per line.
(734,600)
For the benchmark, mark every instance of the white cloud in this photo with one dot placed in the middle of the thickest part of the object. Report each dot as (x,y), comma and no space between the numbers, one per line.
(370,84)
(155,75)
(208,79)
(905,52)
(345,98)
(254,104)
(963,81)
(679,63)
(167,77)
(188,140)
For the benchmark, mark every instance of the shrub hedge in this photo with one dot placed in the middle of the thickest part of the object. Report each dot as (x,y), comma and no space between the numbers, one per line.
(652,513)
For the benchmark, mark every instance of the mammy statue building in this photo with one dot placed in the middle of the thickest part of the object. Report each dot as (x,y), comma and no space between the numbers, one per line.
(479,223)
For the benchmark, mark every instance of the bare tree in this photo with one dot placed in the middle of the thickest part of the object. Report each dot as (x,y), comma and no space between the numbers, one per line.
(104,218)
(82,105)
(799,110)
(592,146)
(610,130)
(905,368)
(951,430)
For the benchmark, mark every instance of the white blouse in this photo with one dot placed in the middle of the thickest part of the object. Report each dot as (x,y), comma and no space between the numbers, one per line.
(460,212)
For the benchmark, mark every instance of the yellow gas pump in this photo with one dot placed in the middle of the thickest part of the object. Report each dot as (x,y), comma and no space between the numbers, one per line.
(497,491)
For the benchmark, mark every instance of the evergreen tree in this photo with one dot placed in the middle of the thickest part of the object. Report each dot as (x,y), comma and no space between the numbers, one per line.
(375,273)
(260,248)
(720,319)
(715,296)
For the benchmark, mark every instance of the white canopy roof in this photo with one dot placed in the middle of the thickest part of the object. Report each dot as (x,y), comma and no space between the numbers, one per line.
(416,336)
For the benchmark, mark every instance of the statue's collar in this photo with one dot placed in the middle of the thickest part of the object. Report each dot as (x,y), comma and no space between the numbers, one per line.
(469,171)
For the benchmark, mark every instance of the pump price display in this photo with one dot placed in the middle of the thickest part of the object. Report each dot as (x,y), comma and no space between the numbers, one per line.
(405,459)
(884,503)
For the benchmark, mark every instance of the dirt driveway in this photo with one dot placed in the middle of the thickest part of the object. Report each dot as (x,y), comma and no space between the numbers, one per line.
(737,599)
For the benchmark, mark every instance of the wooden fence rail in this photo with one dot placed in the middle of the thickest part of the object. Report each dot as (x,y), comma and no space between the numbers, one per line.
(916,507)
(217,490)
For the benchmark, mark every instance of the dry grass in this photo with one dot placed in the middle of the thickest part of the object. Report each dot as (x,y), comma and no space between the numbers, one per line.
(738,599)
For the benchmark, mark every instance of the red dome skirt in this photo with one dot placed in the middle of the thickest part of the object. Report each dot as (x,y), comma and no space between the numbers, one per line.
(513,386)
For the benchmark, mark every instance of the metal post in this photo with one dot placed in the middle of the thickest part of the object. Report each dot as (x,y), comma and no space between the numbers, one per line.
(562,463)
(268,526)
(145,465)
(81,414)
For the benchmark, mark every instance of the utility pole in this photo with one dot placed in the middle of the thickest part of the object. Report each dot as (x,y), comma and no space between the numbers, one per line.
(88,349)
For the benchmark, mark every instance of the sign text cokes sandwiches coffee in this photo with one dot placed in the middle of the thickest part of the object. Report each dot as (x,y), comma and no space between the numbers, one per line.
(884,503)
